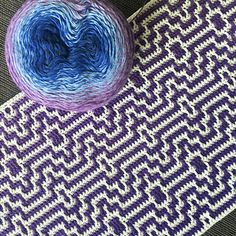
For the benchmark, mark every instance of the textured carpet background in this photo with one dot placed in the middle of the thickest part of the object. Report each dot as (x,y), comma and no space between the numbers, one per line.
(226,227)
(7,87)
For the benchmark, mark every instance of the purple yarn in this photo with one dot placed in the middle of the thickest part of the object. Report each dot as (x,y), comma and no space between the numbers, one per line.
(76,59)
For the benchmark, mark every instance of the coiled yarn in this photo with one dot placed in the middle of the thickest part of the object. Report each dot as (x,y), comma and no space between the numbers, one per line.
(69,54)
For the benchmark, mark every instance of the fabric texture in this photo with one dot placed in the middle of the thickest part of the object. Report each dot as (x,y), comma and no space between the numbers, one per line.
(7,86)
(225,227)
(158,160)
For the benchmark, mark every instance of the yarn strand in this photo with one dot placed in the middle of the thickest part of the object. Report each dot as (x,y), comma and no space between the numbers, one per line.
(71,55)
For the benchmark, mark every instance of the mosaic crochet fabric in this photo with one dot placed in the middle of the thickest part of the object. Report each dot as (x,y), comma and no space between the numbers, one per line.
(158,160)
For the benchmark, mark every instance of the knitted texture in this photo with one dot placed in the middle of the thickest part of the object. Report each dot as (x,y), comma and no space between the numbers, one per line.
(160,159)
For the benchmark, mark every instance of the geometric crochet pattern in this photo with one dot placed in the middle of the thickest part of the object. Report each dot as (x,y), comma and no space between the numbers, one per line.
(160,159)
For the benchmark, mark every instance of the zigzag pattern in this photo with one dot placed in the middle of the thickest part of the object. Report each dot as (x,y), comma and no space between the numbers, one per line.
(158,160)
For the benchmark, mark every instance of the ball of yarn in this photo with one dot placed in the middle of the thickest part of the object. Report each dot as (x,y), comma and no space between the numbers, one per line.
(69,54)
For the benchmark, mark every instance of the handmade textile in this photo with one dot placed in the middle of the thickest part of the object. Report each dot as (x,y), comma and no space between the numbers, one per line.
(160,159)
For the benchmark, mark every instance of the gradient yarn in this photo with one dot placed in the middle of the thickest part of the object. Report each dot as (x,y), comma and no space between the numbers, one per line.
(69,54)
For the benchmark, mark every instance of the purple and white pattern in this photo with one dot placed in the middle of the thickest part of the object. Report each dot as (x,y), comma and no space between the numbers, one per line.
(160,159)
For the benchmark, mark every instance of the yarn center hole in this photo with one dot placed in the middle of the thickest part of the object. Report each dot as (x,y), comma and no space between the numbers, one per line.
(88,54)
(52,49)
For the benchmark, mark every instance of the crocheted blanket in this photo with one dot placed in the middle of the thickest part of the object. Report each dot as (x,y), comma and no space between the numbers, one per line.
(160,159)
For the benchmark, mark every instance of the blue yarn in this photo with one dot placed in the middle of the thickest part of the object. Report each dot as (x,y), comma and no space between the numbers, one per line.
(64,49)
(89,49)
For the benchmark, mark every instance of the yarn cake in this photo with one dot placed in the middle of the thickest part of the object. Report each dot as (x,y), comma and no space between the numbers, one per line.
(73,55)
